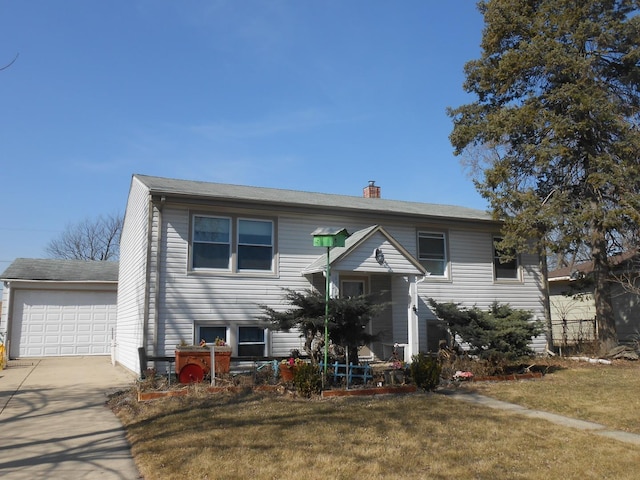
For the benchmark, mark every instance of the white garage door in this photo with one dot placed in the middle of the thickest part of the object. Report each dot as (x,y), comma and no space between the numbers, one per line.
(58,323)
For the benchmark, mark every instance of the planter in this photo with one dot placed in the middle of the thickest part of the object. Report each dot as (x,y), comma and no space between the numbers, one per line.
(287,372)
(194,363)
(223,359)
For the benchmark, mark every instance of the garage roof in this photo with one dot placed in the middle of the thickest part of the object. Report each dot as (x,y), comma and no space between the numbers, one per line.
(61,270)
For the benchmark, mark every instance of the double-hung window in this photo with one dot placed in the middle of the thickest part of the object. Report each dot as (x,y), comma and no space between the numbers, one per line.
(432,252)
(232,244)
(255,244)
(504,269)
(211,242)
(251,342)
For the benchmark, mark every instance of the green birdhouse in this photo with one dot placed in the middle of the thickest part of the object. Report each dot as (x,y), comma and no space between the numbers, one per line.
(329,237)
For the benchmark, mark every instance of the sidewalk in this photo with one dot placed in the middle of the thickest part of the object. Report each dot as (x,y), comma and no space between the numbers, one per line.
(593,427)
(54,422)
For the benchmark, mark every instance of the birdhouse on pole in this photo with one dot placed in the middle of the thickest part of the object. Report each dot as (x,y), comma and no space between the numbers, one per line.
(329,237)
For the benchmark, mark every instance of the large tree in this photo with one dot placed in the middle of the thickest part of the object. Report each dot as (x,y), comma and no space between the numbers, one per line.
(89,239)
(557,88)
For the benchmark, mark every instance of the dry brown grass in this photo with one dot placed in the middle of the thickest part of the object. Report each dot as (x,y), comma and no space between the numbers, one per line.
(420,436)
(606,394)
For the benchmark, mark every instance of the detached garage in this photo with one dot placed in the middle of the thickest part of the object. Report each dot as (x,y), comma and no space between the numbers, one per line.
(58,307)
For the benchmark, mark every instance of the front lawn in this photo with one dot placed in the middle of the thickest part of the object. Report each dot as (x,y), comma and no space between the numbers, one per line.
(271,436)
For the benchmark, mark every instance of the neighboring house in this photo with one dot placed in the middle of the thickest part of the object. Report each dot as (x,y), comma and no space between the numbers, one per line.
(59,307)
(573,310)
(198,259)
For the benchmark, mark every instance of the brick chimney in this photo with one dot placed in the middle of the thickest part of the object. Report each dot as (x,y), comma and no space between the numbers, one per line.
(371,190)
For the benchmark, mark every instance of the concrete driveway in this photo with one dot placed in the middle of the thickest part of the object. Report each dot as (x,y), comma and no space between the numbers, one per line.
(54,422)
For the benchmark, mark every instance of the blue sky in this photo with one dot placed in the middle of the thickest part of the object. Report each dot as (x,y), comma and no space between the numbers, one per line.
(308,95)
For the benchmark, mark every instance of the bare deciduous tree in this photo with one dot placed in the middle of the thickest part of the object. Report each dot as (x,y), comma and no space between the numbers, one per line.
(90,239)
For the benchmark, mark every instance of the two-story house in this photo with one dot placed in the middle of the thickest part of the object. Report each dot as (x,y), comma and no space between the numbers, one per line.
(198,259)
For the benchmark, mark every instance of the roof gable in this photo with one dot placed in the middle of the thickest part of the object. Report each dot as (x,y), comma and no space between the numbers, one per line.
(359,255)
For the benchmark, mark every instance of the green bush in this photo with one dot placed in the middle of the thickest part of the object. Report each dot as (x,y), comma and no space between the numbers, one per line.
(308,380)
(425,371)
(497,334)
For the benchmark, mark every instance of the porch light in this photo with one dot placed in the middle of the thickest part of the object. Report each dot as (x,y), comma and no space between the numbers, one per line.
(328,237)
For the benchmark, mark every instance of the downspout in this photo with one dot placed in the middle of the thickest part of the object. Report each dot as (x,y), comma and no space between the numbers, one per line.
(145,312)
(156,315)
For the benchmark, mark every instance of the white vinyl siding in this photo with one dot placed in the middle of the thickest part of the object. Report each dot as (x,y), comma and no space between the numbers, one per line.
(363,260)
(133,277)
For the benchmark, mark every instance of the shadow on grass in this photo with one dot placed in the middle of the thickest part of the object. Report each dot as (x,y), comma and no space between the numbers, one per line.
(222,416)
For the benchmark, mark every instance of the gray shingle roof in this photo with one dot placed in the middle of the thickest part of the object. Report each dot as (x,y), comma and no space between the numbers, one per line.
(188,188)
(61,270)
(319,264)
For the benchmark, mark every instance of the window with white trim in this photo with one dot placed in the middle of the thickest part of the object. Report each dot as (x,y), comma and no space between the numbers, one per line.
(210,334)
(251,342)
(504,269)
(255,244)
(211,242)
(432,252)
(232,244)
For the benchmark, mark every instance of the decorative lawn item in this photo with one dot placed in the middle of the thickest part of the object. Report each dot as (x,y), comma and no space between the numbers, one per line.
(193,363)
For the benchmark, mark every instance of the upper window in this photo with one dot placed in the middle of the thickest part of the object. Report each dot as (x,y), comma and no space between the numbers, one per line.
(224,244)
(432,252)
(255,244)
(211,242)
(504,269)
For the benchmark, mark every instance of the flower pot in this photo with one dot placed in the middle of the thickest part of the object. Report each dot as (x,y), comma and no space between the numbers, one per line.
(287,372)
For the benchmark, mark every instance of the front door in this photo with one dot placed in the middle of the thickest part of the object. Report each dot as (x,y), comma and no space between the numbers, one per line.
(353,286)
